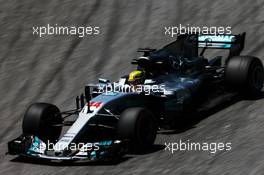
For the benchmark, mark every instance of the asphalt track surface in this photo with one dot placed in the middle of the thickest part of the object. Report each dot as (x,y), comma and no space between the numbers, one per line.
(54,69)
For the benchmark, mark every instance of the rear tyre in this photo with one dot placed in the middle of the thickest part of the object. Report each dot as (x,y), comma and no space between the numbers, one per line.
(246,74)
(39,120)
(139,126)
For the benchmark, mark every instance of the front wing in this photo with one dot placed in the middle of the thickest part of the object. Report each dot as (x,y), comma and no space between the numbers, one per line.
(31,146)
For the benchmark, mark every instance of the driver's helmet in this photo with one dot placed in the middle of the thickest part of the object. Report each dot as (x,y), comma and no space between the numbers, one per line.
(136,77)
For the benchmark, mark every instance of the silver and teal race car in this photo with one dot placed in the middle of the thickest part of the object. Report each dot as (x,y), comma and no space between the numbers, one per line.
(113,118)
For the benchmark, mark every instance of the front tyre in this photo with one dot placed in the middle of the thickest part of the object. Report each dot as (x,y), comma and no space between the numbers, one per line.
(139,126)
(40,120)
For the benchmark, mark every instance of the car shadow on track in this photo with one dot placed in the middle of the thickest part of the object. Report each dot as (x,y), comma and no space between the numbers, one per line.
(189,122)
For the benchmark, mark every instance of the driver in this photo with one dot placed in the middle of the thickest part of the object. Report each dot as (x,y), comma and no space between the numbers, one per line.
(136,77)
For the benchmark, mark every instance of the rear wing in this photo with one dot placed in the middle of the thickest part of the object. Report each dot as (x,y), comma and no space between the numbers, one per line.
(221,41)
(235,43)
(187,45)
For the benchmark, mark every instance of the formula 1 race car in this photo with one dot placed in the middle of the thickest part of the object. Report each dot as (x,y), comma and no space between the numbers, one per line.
(125,115)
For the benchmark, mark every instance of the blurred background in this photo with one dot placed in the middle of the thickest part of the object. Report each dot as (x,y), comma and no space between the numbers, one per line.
(54,69)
